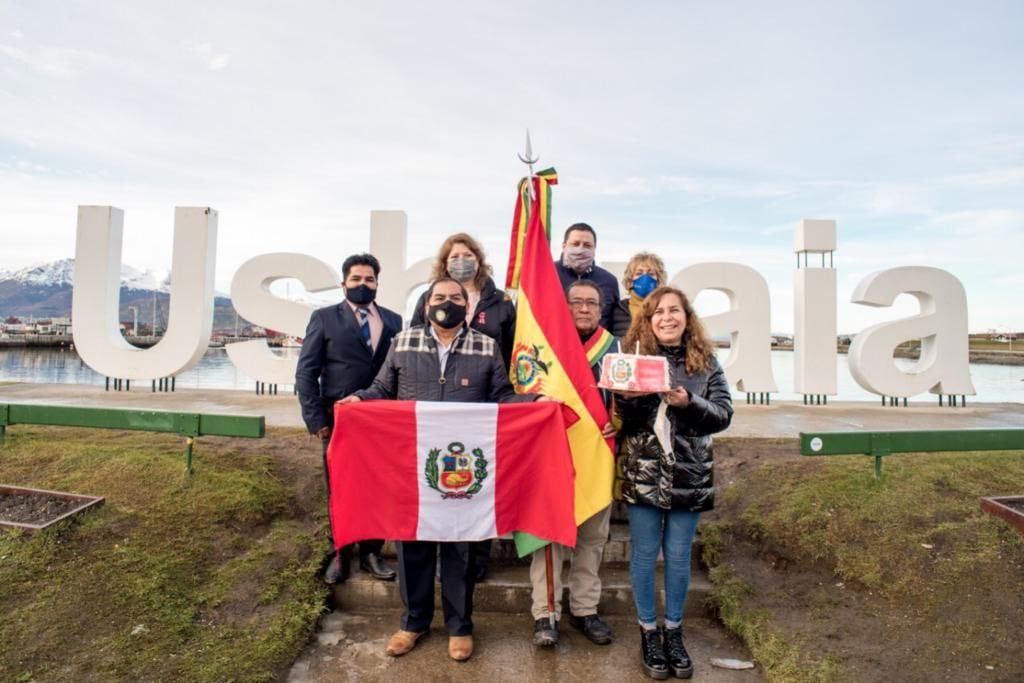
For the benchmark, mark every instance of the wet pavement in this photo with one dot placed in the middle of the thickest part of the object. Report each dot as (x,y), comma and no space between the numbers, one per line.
(350,647)
(778,420)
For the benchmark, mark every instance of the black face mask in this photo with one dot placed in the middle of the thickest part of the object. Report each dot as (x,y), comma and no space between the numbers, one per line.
(447,315)
(360,295)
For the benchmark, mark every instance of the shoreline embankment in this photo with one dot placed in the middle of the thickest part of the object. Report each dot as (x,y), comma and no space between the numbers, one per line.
(911,351)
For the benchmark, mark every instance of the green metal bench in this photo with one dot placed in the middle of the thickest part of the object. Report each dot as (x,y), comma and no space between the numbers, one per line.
(881,444)
(189,425)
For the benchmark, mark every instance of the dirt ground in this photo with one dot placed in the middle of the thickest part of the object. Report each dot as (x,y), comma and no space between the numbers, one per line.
(964,632)
(207,577)
(33,508)
(973,630)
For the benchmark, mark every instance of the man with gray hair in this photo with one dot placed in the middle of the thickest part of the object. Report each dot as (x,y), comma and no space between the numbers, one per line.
(585,301)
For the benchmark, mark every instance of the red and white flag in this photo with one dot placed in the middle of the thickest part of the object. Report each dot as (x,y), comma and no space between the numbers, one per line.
(435,471)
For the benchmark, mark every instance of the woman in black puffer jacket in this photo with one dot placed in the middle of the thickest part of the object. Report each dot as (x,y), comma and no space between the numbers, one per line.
(664,466)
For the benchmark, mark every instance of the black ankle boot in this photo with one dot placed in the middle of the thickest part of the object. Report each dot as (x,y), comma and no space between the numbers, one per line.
(652,654)
(678,658)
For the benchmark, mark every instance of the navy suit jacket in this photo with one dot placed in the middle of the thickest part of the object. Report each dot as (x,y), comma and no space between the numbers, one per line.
(335,362)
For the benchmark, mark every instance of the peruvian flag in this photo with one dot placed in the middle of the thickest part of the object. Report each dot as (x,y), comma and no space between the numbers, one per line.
(436,471)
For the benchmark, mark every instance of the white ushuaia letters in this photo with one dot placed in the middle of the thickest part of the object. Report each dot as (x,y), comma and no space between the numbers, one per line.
(941,324)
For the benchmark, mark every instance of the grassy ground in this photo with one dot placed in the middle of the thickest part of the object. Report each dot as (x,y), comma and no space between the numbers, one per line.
(208,577)
(828,574)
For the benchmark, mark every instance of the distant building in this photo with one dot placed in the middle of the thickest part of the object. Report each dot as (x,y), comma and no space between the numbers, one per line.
(55,326)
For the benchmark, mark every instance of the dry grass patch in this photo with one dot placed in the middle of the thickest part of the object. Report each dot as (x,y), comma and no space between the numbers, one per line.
(208,577)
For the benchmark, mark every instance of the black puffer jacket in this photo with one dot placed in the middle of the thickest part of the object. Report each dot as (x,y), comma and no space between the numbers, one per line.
(682,479)
(473,372)
(495,316)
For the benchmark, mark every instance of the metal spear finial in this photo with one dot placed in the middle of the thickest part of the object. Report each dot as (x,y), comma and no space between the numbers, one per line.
(529,160)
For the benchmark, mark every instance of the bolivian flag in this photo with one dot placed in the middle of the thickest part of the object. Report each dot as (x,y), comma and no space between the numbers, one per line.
(548,358)
(542,183)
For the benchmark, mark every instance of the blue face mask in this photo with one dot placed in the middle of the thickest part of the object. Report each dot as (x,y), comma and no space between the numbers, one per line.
(644,285)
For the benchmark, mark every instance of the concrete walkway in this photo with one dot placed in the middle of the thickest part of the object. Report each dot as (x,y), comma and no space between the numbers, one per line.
(350,647)
(778,420)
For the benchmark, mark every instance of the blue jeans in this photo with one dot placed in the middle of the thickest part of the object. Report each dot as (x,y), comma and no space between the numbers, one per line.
(670,531)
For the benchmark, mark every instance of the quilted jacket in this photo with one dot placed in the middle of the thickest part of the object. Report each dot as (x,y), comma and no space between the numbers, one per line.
(495,316)
(683,477)
(474,371)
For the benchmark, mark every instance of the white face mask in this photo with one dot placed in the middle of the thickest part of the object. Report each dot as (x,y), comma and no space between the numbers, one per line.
(578,258)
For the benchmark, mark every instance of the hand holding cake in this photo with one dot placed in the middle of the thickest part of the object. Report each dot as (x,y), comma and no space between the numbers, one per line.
(677,398)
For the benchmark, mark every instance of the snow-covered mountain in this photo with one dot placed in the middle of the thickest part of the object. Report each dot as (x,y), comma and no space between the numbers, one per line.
(44,274)
(133,278)
(57,273)
(44,291)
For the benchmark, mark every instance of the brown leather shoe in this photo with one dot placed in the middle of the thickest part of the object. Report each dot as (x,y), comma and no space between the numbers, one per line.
(460,648)
(402,642)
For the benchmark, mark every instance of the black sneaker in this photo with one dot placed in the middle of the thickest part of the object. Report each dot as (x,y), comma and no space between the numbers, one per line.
(652,654)
(678,658)
(596,631)
(544,635)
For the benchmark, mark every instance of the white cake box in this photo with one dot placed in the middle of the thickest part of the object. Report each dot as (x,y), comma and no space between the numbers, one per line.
(630,372)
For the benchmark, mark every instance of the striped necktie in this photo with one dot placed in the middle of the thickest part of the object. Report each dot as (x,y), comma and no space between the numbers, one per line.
(364,325)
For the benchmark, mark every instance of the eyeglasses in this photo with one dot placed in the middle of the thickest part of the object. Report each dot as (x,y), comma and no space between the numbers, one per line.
(584,303)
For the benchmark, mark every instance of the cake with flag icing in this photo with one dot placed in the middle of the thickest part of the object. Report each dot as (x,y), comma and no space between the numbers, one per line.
(632,372)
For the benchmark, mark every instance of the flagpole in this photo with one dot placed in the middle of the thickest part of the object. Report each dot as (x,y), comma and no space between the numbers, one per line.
(549,566)
(529,159)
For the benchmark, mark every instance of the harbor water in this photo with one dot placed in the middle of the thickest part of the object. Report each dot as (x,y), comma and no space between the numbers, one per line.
(993,383)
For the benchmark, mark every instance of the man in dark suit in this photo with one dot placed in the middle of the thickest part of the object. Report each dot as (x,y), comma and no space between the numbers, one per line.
(344,348)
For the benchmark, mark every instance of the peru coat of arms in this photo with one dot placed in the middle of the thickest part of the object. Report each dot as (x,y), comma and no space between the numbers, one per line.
(456,473)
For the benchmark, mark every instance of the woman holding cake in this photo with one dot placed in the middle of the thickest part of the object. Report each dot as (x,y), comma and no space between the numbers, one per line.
(644,272)
(663,468)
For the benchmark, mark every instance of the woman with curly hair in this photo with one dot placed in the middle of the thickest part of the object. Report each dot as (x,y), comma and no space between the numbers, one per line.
(644,272)
(664,466)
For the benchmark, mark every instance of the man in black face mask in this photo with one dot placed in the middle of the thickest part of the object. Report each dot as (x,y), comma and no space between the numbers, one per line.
(344,348)
(579,247)
(443,360)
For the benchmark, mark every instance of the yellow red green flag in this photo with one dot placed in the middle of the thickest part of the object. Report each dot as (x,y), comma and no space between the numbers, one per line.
(548,358)
(521,219)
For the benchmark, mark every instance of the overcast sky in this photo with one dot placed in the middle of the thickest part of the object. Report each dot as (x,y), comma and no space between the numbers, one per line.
(702,131)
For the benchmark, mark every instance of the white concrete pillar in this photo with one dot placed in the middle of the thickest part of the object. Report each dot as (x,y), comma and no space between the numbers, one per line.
(814,310)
